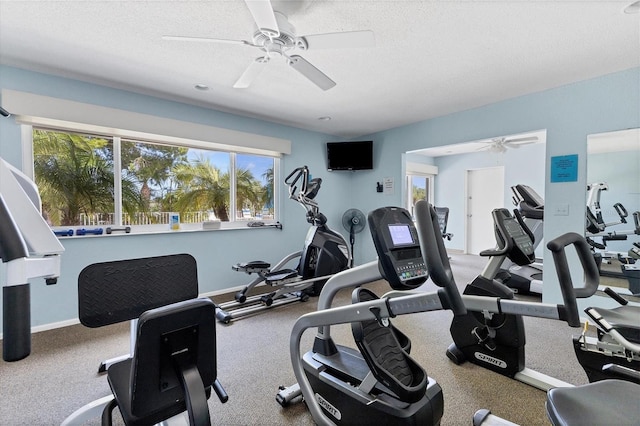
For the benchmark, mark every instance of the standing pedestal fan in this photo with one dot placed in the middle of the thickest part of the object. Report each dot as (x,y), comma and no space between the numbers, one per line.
(353,221)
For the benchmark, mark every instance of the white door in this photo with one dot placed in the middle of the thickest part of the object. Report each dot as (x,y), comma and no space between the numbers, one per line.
(485,192)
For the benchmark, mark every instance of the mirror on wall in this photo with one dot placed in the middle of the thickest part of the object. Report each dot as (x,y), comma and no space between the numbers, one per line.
(613,208)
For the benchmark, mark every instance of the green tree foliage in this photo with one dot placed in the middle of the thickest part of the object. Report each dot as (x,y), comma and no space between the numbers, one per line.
(151,166)
(248,191)
(418,194)
(202,186)
(75,175)
(267,193)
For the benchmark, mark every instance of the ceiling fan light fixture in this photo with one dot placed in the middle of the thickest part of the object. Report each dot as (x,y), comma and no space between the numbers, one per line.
(633,8)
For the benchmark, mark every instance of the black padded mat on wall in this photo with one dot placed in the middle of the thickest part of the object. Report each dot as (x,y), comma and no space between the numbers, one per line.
(112,292)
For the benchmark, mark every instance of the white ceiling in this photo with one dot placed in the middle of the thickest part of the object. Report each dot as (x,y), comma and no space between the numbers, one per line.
(431,58)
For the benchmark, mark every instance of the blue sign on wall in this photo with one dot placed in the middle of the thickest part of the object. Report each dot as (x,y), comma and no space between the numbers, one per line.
(564,168)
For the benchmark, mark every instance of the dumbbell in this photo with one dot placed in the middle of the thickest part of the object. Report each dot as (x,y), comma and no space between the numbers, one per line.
(82,231)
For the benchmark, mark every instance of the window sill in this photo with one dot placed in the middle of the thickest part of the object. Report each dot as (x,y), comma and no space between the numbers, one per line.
(101,231)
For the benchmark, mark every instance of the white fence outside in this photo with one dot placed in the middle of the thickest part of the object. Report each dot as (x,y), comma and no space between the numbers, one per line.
(160,218)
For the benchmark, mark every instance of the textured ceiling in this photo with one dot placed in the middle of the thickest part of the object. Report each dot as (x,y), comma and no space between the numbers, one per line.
(431,58)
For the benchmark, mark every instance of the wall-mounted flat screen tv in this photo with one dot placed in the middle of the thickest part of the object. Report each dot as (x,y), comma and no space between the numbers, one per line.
(356,155)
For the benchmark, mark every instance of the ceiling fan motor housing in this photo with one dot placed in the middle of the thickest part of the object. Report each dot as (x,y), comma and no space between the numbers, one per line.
(281,43)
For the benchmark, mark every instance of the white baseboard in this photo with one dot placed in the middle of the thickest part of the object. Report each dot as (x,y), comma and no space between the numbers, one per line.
(74,321)
(51,326)
(228,290)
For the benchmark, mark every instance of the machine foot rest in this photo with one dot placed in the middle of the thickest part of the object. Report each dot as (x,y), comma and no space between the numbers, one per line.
(255,266)
(281,277)
(390,365)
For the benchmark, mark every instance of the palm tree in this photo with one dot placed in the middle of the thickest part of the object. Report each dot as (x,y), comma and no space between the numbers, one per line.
(75,175)
(267,194)
(151,166)
(202,187)
(248,191)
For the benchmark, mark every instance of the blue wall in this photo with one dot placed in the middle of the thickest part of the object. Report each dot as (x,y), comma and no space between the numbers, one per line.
(214,251)
(524,165)
(568,113)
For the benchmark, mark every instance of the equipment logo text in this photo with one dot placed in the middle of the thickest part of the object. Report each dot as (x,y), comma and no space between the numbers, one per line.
(328,407)
(491,360)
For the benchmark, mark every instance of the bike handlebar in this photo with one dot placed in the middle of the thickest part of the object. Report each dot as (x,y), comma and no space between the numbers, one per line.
(591,275)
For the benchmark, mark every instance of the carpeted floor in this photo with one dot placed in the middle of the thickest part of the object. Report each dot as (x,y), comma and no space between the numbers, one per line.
(253,361)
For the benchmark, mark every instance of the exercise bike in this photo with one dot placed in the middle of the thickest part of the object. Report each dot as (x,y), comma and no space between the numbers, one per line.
(357,387)
(379,383)
(606,399)
(496,340)
(325,253)
(599,234)
(615,351)
(526,278)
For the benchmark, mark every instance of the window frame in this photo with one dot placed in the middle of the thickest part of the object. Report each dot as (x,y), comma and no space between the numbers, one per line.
(117,136)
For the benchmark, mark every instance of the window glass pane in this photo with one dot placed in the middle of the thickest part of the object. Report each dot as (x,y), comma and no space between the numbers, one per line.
(254,187)
(147,175)
(74,174)
(203,186)
(418,190)
(192,182)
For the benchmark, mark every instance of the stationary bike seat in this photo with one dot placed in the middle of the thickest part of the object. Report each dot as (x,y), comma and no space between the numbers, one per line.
(388,362)
(607,402)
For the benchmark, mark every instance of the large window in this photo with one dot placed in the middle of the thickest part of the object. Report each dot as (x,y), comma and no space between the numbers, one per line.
(92,180)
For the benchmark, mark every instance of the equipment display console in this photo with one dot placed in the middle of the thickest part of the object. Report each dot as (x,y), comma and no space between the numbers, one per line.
(396,240)
(520,237)
(511,234)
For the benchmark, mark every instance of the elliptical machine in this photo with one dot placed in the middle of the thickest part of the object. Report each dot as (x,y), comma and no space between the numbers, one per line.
(325,253)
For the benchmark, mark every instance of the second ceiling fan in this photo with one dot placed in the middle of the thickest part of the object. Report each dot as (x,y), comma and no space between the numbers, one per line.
(500,145)
(275,37)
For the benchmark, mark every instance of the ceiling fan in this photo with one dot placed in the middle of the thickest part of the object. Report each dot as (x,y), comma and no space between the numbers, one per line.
(275,37)
(500,145)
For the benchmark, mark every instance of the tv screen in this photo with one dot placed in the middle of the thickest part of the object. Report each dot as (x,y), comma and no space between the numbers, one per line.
(350,155)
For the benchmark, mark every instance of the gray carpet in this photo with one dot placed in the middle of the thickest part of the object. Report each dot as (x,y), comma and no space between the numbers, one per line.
(61,374)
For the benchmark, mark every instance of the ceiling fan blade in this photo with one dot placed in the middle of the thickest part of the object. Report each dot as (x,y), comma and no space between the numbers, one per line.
(527,139)
(316,76)
(205,40)
(343,40)
(262,13)
(253,70)
(518,142)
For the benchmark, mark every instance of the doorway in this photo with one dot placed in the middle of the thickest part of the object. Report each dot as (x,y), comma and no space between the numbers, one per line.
(484,193)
